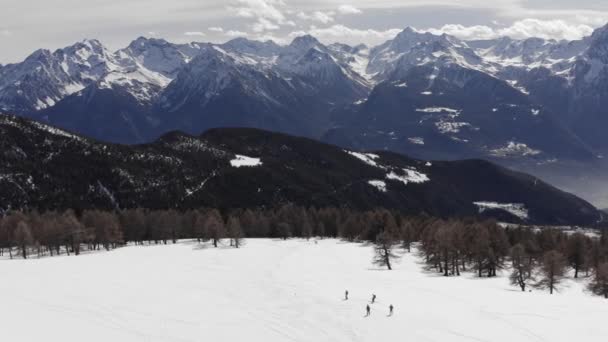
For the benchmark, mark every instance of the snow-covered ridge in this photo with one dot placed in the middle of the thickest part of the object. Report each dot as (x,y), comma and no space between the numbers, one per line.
(516,209)
(8,120)
(147,66)
(57,131)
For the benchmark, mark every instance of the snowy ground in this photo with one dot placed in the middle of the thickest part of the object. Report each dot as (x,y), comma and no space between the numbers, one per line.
(275,291)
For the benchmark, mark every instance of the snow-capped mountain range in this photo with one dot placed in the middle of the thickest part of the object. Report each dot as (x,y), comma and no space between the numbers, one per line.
(432,96)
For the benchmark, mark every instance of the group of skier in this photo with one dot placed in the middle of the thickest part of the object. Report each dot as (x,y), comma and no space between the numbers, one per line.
(368,308)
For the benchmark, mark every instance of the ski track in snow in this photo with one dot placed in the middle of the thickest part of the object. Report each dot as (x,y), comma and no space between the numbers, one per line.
(272,290)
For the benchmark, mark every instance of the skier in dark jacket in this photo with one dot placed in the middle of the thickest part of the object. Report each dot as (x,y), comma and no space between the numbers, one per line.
(368,310)
(346,295)
(391,310)
(373,298)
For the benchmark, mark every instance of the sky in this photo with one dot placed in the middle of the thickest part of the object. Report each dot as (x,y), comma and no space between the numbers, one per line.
(27,25)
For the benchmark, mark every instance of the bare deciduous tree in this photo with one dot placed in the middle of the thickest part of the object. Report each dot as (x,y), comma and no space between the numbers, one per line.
(214,227)
(552,269)
(599,284)
(384,253)
(521,272)
(235,232)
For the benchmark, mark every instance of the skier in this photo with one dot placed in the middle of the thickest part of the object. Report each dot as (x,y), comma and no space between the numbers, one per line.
(373,298)
(391,310)
(368,310)
(346,295)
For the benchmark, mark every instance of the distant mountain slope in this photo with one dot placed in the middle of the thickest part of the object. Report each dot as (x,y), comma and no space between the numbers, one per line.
(46,168)
(451,112)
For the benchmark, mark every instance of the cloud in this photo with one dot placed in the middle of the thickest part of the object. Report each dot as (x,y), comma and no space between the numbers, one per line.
(5,33)
(264,25)
(235,33)
(349,9)
(195,34)
(256,9)
(318,16)
(344,34)
(215,29)
(521,29)
(556,29)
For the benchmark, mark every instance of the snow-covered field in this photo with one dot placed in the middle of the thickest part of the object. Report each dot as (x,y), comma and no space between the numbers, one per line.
(276,291)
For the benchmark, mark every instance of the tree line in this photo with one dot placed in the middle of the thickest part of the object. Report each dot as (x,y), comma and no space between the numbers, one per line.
(536,257)
(51,233)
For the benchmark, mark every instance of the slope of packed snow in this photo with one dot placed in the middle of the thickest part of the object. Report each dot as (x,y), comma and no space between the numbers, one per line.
(276,291)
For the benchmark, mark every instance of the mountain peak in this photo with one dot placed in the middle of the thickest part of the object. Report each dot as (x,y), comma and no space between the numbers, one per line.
(39,55)
(144,42)
(92,43)
(599,44)
(600,31)
(304,42)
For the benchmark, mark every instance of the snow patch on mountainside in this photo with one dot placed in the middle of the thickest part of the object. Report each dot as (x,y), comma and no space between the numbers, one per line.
(367,158)
(416,140)
(244,161)
(513,149)
(438,110)
(411,176)
(378,184)
(516,209)
(446,127)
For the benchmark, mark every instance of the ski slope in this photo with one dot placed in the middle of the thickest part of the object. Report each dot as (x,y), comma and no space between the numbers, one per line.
(273,290)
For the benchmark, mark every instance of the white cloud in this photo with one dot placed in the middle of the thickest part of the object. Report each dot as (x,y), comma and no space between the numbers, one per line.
(256,9)
(521,29)
(349,9)
(195,34)
(344,34)
(318,16)
(235,33)
(215,29)
(264,25)
(556,29)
